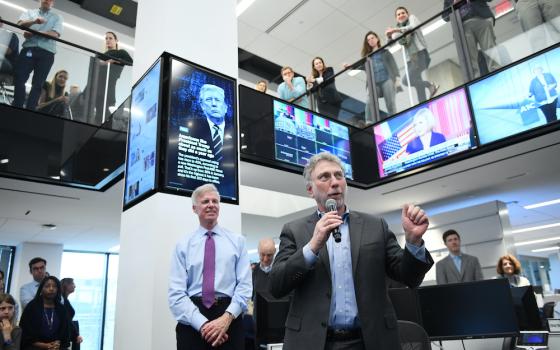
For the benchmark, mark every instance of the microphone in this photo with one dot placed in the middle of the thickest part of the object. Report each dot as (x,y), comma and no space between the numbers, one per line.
(331,206)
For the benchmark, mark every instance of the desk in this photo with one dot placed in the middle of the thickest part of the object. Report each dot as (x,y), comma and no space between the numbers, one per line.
(490,344)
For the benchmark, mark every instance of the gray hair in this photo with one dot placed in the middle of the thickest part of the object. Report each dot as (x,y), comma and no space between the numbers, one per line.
(200,190)
(210,87)
(313,161)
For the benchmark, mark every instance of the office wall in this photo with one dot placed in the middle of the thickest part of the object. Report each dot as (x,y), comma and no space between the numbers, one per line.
(27,251)
(484,233)
(554,273)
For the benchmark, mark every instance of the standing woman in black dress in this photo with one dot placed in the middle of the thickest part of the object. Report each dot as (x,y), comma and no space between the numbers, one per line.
(44,322)
(329,98)
(117,59)
(68,287)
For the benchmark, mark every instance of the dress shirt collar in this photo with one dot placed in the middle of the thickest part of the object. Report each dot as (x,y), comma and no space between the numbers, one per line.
(460,255)
(344,216)
(201,231)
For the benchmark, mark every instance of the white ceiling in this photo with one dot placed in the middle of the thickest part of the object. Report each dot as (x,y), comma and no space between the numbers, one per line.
(333,29)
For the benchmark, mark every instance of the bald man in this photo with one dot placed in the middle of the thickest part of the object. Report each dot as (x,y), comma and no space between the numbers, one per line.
(261,279)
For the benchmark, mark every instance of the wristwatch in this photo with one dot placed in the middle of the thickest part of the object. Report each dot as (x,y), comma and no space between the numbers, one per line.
(230,315)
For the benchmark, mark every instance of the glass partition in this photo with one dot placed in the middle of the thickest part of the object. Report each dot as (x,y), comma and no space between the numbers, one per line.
(81,85)
(429,57)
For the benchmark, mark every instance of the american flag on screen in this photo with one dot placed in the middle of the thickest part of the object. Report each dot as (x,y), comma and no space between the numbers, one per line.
(395,146)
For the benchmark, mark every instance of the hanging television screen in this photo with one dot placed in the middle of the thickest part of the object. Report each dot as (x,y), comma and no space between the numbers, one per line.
(517,99)
(424,134)
(142,136)
(202,131)
(299,134)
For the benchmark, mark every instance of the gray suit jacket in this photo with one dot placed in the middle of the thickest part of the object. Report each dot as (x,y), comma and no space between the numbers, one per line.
(375,255)
(446,271)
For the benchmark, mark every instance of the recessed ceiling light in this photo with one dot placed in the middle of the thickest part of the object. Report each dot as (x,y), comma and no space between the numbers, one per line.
(105,169)
(115,249)
(4,161)
(49,226)
(542,204)
(536,241)
(55,177)
(549,249)
(535,228)
(242,6)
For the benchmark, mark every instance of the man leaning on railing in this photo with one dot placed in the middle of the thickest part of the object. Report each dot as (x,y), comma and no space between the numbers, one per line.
(37,54)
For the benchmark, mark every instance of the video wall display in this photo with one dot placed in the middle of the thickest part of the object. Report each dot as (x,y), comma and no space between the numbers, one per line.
(300,134)
(520,98)
(429,132)
(202,133)
(142,136)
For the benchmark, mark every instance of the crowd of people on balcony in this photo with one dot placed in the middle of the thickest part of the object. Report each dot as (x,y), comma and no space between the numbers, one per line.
(538,20)
(36,58)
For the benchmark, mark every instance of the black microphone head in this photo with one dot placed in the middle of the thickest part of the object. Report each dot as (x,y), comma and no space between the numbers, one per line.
(331,204)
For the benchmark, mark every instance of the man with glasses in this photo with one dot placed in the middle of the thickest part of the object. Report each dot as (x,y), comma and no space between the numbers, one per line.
(37,53)
(38,269)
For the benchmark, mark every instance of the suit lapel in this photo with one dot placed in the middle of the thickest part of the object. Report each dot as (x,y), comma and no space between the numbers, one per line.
(463,266)
(355,228)
(323,253)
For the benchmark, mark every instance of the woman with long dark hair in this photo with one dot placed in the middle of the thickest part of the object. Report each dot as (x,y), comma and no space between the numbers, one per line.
(54,98)
(44,322)
(417,56)
(385,70)
(328,98)
(10,333)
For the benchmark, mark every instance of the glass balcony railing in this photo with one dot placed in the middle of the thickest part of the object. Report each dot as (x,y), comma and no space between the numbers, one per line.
(81,85)
(429,58)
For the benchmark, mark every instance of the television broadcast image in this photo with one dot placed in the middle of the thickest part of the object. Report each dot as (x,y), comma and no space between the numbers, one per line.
(424,134)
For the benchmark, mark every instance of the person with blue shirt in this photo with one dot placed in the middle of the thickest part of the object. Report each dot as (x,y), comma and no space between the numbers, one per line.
(339,289)
(292,87)
(457,267)
(37,53)
(38,270)
(543,91)
(210,280)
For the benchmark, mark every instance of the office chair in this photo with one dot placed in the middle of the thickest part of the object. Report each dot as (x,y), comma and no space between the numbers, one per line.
(413,336)
(548,310)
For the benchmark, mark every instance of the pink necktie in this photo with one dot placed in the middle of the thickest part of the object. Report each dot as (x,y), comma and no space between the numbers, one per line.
(208,271)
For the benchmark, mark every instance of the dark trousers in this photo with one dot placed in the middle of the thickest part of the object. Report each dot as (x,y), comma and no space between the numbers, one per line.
(355,344)
(189,338)
(38,61)
(549,111)
(417,64)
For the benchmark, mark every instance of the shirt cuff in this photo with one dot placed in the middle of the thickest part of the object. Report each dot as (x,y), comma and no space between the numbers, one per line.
(198,320)
(419,252)
(234,309)
(309,256)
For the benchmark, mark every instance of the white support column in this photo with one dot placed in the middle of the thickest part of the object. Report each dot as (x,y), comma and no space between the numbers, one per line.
(204,32)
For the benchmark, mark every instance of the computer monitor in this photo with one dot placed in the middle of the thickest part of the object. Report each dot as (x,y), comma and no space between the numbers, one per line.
(481,309)
(270,317)
(405,303)
(526,308)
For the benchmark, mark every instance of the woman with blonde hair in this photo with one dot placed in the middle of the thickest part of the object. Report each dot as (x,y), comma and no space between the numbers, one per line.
(509,267)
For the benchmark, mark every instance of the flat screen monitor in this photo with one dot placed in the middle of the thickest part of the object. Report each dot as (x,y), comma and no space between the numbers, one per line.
(271,314)
(424,134)
(299,134)
(202,131)
(142,136)
(526,309)
(481,309)
(406,305)
(519,98)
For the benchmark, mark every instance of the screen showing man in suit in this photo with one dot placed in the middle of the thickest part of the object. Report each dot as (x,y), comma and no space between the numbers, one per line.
(340,296)
(202,144)
(457,266)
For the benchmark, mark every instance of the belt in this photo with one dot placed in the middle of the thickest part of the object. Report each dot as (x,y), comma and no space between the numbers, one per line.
(334,334)
(217,300)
